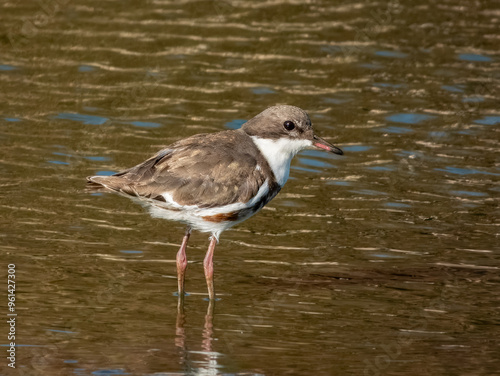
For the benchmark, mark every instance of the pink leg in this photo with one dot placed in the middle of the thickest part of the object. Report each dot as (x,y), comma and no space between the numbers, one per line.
(182,263)
(208,265)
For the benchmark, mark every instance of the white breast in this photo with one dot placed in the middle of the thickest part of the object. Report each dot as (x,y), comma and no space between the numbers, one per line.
(193,215)
(279,154)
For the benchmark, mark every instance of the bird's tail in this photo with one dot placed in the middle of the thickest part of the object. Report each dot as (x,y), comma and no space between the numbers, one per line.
(101,183)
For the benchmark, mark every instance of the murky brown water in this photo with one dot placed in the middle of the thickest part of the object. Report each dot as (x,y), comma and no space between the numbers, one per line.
(382,262)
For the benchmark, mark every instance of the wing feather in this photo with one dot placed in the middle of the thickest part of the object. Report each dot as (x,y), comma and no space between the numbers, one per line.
(195,172)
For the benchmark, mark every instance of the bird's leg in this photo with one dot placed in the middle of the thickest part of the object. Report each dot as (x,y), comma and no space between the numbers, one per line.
(208,265)
(182,263)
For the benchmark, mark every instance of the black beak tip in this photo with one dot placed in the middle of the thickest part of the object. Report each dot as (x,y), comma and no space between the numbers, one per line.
(322,144)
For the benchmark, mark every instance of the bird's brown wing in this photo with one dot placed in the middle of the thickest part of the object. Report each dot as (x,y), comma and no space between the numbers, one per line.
(206,170)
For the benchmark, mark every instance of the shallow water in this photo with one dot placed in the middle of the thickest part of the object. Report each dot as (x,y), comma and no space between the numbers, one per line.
(384,261)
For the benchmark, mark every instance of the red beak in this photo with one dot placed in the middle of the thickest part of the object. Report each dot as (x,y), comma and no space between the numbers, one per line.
(322,144)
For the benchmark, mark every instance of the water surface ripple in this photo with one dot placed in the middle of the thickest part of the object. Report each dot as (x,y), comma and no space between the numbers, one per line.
(382,261)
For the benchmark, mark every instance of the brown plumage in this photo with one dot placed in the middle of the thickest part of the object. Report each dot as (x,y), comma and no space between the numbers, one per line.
(223,173)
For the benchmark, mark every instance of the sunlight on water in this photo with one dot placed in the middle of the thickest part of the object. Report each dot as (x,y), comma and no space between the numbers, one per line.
(383,261)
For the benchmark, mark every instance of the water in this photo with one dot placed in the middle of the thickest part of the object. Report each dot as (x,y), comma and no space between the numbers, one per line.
(384,261)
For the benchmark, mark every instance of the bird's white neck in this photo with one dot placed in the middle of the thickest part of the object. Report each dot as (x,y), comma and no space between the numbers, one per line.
(279,154)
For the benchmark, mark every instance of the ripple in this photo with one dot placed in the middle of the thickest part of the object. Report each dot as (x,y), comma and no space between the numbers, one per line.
(388,85)
(396,130)
(314,162)
(356,148)
(371,66)
(235,124)
(409,118)
(454,89)
(464,171)
(105,173)
(438,134)
(298,168)
(341,183)
(469,193)
(85,119)
(394,54)
(7,68)
(59,163)
(61,331)
(475,58)
(488,120)
(97,158)
(473,99)
(336,100)
(369,192)
(263,90)
(385,255)
(396,205)
(145,124)
(86,68)
(467,266)
(109,372)
(382,168)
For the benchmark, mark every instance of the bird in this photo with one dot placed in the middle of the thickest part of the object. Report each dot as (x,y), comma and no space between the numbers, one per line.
(213,181)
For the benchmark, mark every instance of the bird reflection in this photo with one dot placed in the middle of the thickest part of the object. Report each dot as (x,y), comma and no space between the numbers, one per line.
(208,329)
(209,365)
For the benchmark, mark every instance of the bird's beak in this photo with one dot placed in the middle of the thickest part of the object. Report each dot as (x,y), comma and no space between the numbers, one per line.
(319,143)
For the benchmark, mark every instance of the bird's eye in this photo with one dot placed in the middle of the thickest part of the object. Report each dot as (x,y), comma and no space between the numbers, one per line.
(288,125)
